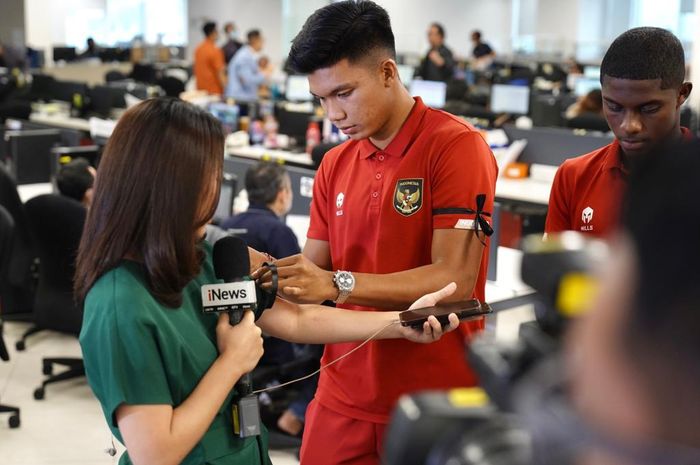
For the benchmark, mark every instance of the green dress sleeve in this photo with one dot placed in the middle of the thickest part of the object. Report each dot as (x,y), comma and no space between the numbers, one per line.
(123,361)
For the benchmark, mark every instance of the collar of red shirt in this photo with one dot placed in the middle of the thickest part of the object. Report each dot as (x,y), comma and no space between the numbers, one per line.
(397,146)
(614,161)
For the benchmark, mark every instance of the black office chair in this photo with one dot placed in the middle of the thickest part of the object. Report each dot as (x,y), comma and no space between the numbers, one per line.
(17,286)
(114,75)
(56,223)
(7,226)
(172,86)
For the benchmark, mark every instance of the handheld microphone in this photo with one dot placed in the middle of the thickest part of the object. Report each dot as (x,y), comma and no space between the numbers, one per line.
(238,292)
(236,295)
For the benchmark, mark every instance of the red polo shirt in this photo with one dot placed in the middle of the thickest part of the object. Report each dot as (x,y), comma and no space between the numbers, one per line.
(587,192)
(377,209)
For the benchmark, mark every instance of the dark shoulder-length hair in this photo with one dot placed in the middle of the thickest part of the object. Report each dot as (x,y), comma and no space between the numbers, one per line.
(157,183)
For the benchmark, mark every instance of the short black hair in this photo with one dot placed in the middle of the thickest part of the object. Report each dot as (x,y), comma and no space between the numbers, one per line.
(661,215)
(440,29)
(645,53)
(208,28)
(476,34)
(74,179)
(263,181)
(253,34)
(342,30)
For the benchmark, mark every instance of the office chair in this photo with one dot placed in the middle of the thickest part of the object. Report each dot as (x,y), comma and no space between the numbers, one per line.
(17,285)
(172,86)
(457,89)
(7,226)
(114,75)
(56,223)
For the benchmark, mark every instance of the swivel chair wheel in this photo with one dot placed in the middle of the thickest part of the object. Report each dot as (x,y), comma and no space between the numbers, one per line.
(19,345)
(39,393)
(14,421)
(47,368)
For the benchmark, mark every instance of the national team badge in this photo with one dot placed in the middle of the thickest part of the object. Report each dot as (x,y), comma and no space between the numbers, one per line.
(408,196)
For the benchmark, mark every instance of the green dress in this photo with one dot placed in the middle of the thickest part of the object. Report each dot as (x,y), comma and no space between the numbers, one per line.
(137,351)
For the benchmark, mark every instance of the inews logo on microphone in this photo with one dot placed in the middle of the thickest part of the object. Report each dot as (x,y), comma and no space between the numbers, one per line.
(229,296)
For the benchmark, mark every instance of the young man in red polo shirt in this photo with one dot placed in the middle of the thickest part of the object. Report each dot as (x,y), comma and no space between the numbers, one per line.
(402,206)
(642,77)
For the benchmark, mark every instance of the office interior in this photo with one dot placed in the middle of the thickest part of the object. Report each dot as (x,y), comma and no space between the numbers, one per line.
(57,104)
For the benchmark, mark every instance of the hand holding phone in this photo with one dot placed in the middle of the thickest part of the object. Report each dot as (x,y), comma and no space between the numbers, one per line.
(465,310)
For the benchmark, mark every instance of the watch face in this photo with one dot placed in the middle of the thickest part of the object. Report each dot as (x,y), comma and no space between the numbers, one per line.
(345,281)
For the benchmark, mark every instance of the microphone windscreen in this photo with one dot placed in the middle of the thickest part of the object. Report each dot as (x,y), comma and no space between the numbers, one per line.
(231,259)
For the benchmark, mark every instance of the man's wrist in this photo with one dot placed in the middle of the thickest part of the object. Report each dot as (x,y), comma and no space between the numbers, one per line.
(331,292)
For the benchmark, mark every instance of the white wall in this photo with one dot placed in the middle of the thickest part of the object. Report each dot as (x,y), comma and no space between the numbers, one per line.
(265,15)
(45,21)
(410,20)
(12,22)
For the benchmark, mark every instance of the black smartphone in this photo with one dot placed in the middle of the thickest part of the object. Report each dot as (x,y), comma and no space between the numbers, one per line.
(465,310)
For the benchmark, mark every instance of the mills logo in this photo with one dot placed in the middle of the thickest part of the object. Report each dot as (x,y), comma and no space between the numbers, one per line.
(229,296)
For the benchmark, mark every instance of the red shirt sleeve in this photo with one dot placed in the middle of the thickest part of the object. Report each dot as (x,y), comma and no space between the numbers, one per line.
(558,213)
(465,170)
(318,224)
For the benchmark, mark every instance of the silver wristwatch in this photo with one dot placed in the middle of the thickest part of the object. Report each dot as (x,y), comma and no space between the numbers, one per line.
(345,282)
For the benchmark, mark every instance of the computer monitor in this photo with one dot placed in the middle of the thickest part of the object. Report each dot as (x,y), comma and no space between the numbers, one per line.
(104,98)
(297,89)
(227,114)
(224,208)
(67,90)
(406,73)
(63,155)
(511,99)
(585,84)
(432,92)
(42,86)
(592,72)
(30,154)
(294,124)
(64,54)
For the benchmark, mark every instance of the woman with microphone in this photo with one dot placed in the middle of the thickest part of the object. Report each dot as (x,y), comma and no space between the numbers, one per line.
(162,369)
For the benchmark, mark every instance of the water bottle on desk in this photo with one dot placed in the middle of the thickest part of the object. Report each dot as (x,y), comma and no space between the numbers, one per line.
(313,136)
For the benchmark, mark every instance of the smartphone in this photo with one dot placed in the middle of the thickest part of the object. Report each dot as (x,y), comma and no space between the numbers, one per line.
(465,310)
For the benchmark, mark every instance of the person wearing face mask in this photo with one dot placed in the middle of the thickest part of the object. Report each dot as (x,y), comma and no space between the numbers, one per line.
(643,87)
(231,42)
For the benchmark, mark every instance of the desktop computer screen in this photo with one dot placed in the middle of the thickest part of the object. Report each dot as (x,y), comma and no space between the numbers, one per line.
(432,92)
(592,72)
(104,98)
(586,84)
(406,73)
(227,114)
(294,124)
(298,89)
(64,54)
(224,208)
(510,99)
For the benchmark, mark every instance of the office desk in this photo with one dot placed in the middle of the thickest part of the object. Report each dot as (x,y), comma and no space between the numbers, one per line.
(258,153)
(61,121)
(524,191)
(29,191)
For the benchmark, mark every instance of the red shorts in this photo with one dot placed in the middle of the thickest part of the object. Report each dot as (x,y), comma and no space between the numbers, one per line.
(333,439)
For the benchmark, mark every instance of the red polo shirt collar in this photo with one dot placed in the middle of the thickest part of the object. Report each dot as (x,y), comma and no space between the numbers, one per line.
(614,159)
(398,145)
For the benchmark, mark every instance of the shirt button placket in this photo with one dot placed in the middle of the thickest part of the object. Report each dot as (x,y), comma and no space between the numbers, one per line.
(377,182)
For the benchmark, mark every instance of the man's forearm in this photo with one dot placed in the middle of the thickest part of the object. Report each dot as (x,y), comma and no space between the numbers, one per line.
(396,291)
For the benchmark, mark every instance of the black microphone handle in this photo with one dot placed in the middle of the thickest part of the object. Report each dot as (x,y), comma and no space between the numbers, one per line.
(244,386)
